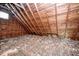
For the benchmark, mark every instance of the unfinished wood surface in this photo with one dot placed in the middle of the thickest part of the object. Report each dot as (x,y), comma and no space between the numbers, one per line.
(22,24)
(11,28)
(34,17)
(29,19)
(20,16)
(63,20)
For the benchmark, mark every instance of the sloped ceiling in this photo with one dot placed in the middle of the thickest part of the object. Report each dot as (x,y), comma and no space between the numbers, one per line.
(48,18)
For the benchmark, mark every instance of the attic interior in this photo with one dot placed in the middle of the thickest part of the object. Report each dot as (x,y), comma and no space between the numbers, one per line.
(39,29)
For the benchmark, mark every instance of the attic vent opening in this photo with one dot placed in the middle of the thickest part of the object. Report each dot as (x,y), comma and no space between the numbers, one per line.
(4,15)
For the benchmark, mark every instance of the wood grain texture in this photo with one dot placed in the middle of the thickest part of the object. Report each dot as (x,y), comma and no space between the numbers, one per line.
(48,18)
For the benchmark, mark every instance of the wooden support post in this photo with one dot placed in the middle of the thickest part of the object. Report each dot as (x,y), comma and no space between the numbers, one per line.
(48,23)
(67,17)
(56,19)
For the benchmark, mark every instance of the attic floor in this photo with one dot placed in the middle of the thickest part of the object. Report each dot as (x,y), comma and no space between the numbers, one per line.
(33,45)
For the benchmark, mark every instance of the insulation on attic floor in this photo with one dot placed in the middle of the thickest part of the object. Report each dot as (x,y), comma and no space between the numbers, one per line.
(33,45)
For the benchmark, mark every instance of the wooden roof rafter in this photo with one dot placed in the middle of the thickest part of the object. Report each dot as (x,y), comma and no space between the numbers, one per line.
(19,16)
(34,17)
(4,7)
(51,7)
(58,14)
(35,30)
(39,17)
(25,19)
(18,5)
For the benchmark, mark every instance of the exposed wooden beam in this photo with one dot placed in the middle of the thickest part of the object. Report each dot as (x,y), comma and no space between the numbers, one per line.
(48,23)
(4,7)
(58,14)
(18,5)
(50,7)
(56,19)
(19,16)
(34,28)
(34,17)
(67,18)
(25,19)
(40,18)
